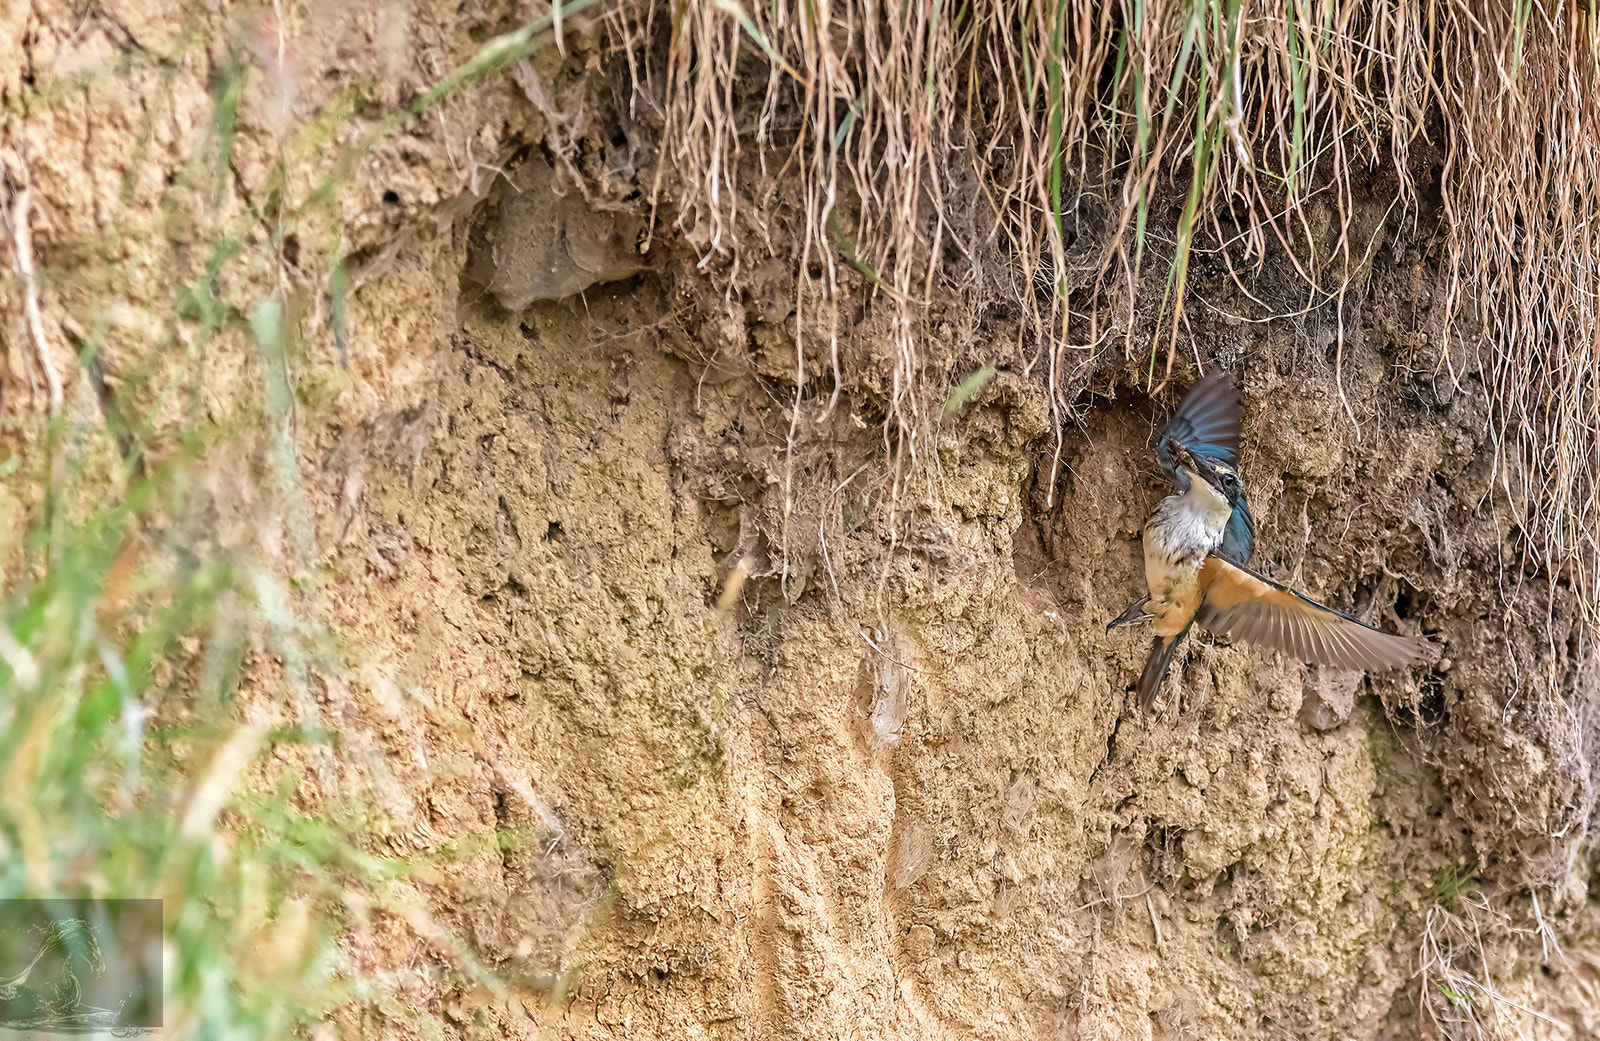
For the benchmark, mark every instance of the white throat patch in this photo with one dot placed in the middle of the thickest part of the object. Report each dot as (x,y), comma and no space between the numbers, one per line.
(1205,499)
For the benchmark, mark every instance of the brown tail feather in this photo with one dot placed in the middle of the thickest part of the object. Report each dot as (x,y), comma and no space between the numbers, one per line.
(1162,651)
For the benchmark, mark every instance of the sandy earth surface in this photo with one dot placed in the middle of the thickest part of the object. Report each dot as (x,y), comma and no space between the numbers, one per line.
(896,786)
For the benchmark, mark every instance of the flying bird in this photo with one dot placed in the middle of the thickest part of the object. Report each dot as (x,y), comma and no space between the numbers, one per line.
(1195,548)
(1206,424)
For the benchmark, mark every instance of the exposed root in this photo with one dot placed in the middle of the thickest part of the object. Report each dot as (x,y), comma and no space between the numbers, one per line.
(22,264)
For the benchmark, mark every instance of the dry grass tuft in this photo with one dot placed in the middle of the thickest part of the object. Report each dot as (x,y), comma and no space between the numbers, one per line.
(1061,148)
(1457,998)
(1522,192)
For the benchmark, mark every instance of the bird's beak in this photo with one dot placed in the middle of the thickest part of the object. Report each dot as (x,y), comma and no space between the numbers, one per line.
(1200,465)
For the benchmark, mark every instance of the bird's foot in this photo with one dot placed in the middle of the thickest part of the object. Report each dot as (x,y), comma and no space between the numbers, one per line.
(1135,614)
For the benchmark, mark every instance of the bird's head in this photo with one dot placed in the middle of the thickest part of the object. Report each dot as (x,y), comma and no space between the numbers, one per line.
(1216,473)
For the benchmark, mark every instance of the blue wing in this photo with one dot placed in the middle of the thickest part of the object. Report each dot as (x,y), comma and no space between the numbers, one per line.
(1239,537)
(1207,422)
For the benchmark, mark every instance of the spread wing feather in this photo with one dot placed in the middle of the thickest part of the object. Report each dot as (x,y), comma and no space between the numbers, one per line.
(1207,423)
(1252,607)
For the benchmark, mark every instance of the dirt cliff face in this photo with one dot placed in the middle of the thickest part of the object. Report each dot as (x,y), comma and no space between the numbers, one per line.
(812,728)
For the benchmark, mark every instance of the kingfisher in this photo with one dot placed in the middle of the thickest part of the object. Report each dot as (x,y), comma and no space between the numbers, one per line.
(1196,546)
(1206,424)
